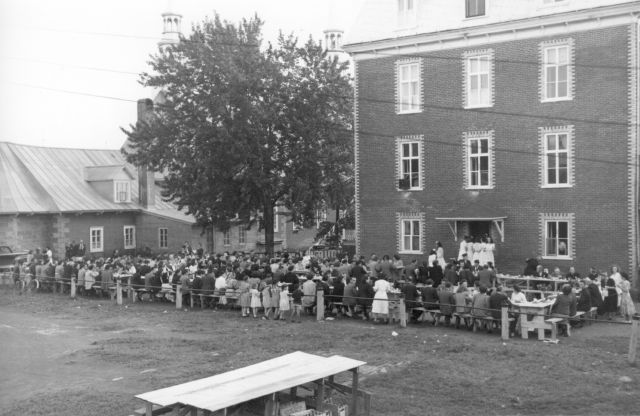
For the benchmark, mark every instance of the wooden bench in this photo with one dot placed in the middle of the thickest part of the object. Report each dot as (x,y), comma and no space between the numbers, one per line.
(592,314)
(465,317)
(554,322)
(422,311)
(485,321)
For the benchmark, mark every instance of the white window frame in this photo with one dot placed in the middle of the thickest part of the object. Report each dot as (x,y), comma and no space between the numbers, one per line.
(557,154)
(478,156)
(321,216)
(416,223)
(242,235)
(476,136)
(466,9)
(400,161)
(469,75)
(129,241)
(226,238)
(115,191)
(163,242)
(545,65)
(544,134)
(98,246)
(407,13)
(411,102)
(546,220)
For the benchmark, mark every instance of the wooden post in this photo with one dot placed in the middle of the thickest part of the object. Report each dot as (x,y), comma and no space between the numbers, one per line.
(149,411)
(354,393)
(320,305)
(320,396)
(633,342)
(403,313)
(119,291)
(505,323)
(73,288)
(178,296)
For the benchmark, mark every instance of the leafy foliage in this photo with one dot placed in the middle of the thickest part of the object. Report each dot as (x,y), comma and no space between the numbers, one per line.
(242,129)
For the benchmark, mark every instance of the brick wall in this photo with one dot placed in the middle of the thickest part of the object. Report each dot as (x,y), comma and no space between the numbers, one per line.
(599,197)
(147,234)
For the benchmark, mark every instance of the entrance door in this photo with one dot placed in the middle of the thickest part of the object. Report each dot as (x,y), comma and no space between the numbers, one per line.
(479,228)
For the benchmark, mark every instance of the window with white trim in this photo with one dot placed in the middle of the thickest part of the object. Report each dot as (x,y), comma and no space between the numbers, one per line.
(557,71)
(321,216)
(407,13)
(163,237)
(410,236)
(129,236)
(479,162)
(242,234)
(409,93)
(96,239)
(557,238)
(226,238)
(478,81)
(121,191)
(474,8)
(411,164)
(556,159)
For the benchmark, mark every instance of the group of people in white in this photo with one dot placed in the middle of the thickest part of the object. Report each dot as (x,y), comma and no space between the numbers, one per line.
(477,248)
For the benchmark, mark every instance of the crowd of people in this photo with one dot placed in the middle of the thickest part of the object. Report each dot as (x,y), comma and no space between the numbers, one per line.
(285,286)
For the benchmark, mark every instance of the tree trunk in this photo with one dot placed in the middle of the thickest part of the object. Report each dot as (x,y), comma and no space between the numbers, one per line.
(268,229)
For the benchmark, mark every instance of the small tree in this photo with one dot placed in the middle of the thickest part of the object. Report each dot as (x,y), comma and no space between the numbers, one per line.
(243,129)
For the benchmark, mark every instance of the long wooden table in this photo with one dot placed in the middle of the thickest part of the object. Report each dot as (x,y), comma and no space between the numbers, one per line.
(527,282)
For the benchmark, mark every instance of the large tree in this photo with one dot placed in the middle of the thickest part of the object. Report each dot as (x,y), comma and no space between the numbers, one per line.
(245,128)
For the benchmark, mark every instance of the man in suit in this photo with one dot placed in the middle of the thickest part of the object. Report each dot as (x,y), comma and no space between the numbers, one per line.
(410,293)
(484,276)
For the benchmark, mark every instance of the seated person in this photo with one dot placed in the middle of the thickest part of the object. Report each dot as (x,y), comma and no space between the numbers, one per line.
(447,301)
(430,297)
(517,296)
(480,303)
(565,305)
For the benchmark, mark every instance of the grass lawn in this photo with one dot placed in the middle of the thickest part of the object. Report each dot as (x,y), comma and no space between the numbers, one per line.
(90,357)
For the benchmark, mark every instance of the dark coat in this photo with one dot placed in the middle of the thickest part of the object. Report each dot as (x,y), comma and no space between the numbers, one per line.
(435,274)
(584,301)
(430,297)
(410,292)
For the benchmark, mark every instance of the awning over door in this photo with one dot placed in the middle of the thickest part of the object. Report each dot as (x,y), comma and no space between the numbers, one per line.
(473,212)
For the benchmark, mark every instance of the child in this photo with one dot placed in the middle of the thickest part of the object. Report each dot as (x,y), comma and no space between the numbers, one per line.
(284,300)
(267,301)
(255,299)
(296,296)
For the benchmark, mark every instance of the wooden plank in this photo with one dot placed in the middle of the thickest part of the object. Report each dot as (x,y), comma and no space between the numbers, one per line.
(633,341)
(505,323)
(354,397)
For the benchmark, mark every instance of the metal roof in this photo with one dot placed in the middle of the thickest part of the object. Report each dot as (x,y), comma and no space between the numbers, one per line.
(45,180)
(238,386)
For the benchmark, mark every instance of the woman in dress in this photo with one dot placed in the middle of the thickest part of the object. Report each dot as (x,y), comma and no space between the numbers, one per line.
(463,247)
(483,251)
(266,298)
(380,306)
(490,249)
(627,308)
(476,249)
(440,255)
(348,299)
(245,295)
(284,300)
(255,299)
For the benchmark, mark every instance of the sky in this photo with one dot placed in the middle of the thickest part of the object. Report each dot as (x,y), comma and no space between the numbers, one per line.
(69,68)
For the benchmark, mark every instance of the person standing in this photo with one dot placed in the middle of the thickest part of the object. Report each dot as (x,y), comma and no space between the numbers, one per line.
(490,250)
(397,268)
(627,308)
(440,255)
(380,306)
(463,248)
(610,304)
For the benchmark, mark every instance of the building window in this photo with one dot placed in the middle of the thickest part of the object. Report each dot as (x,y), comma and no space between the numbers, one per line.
(479,160)
(478,79)
(556,157)
(122,191)
(557,76)
(409,86)
(321,216)
(557,236)
(96,241)
(163,237)
(409,156)
(242,235)
(411,234)
(474,8)
(226,238)
(407,13)
(129,237)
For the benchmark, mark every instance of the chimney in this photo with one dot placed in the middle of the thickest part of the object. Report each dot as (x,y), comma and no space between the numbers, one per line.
(146,179)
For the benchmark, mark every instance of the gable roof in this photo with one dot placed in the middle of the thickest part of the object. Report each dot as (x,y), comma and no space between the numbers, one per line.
(107,173)
(45,180)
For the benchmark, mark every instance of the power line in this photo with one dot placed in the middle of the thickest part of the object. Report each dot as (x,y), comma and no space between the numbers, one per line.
(91,68)
(72,92)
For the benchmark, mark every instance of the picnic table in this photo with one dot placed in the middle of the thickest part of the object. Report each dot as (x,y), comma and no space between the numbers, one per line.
(272,383)
(533,316)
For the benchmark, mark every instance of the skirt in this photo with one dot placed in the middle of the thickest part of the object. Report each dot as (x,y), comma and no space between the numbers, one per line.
(626,304)
(245,300)
(255,301)
(380,304)
(284,302)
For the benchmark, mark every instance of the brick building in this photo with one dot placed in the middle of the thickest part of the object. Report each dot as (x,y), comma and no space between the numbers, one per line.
(514,118)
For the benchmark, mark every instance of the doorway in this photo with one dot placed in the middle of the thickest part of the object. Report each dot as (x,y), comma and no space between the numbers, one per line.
(479,228)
